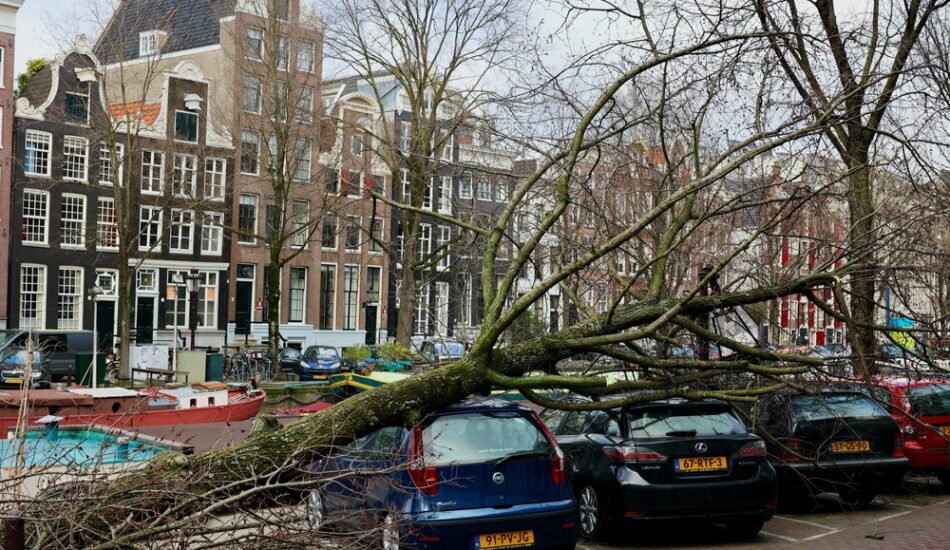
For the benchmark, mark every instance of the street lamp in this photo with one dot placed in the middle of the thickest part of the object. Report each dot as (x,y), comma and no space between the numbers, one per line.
(193,283)
(94,293)
(175,281)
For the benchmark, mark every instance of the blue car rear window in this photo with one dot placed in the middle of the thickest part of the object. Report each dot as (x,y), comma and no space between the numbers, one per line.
(671,421)
(480,437)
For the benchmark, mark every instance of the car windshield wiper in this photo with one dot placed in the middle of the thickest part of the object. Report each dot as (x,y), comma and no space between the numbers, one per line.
(524,454)
(681,433)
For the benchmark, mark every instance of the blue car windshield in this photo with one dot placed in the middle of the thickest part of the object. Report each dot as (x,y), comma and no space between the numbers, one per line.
(671,421)
(320,353)
(481,437)
(843,405)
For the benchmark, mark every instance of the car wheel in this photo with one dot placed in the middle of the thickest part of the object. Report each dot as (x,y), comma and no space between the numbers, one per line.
(389,533)
(745,528)
(944,478)
(315,510)
(860,496)
(591,512)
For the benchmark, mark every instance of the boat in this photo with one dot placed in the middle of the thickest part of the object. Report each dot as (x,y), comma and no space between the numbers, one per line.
(297,412)
(349,383)
(115,407)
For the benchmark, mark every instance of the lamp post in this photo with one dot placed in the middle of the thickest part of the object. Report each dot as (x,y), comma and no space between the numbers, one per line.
(174,282)
(94,293)
(193,282)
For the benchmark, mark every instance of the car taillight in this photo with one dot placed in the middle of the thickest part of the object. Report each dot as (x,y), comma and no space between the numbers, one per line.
(756,448)
(425,478)
(792,450)
(633,455)
(899,445)
(558,467)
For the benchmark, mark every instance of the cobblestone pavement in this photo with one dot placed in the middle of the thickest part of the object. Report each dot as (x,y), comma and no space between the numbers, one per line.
(916,519)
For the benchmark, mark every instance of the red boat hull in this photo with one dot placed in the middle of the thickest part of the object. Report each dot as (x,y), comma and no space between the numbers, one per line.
(233,411)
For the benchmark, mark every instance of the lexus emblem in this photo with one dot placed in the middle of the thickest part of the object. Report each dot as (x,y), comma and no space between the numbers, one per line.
(498,478)
(701,447)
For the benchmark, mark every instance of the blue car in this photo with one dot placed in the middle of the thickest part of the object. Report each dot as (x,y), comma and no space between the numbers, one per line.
(483,473)
(319,362)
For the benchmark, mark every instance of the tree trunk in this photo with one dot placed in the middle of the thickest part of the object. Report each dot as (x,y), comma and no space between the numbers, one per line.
(407,291)
(273,307)
(863,242)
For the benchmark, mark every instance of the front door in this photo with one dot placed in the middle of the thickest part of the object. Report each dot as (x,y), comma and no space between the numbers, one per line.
(243,307)
(371,325)
(144,319)
(105,324)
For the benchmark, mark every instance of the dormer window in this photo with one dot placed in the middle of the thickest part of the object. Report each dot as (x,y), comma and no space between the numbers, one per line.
(151,42)
(77,105)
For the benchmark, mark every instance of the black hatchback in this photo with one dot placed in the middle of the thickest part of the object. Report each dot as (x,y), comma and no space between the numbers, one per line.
(669,459)
(834,440)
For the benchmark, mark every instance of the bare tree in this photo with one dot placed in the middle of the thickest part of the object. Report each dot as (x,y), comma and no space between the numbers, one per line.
(438,55)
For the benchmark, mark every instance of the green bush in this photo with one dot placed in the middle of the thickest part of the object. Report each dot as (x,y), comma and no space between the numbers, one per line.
(357,354)
(394,351)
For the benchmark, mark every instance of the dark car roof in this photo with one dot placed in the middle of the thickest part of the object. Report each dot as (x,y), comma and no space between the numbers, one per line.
(670,401)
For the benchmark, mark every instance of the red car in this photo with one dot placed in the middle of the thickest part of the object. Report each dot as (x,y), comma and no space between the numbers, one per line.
(921,408)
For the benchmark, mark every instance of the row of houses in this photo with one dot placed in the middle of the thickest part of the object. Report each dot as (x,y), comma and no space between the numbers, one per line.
(180,106)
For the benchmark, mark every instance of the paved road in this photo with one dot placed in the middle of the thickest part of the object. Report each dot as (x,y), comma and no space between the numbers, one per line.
(838,522)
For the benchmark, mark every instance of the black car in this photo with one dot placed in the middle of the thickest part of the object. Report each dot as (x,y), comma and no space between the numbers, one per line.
(831,441)
(669,459)
(13,363)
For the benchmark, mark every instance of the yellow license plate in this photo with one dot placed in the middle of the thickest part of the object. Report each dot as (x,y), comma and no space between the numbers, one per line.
(850,446)
(14,380)
(945,431)
(511,539)
(701,464)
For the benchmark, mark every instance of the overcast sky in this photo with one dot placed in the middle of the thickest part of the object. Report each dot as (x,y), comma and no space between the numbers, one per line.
(42,24)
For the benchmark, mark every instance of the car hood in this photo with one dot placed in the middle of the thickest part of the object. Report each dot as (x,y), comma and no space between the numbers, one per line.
(320,363)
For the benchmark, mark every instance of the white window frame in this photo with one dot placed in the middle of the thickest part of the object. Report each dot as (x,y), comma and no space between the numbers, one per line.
(420,318)
(406,196)
(41,219)
(465,192)
(373,246)
(257,153)
(76,299)
(179,167)
(445,195)
(36,138)
(212,231)
(38,322)
(180,230)
(197,126)
(336,232)
(216,178)
(100,224)
(76,150)
(248,32)
(441,307)
(283,53)
(303,151)
(429,193)
(330,303)
(64,219)
(346,234)
(300,233)
(146,217)
(105,163)
(304,46)
(149,176)
(445,258)
(425,241)
(351,309)
(303,292)
(260,95)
